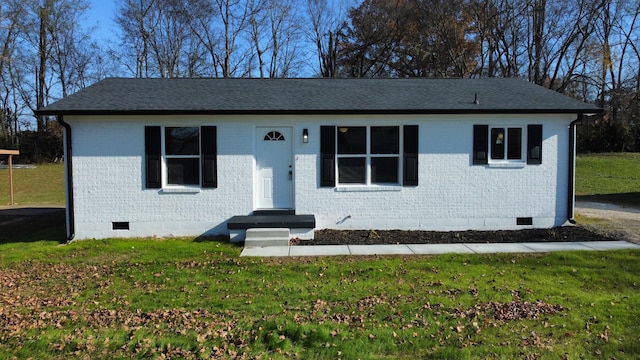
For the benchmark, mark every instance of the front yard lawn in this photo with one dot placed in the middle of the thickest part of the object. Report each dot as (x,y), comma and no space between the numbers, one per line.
(196,298)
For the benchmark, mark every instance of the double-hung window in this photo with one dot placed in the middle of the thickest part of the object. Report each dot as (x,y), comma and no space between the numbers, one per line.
(180,156)
(369,155)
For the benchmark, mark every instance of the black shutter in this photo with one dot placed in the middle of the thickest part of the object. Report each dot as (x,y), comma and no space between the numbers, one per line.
(410,156)
(480,144)
(153,157)
(534,144)
(327,156)
(209,150)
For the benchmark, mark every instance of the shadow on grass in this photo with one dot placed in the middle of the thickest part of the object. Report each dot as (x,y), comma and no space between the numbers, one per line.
(42,225)
(629,199)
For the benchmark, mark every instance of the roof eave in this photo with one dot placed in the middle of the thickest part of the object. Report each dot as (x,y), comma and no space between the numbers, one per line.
(45,112)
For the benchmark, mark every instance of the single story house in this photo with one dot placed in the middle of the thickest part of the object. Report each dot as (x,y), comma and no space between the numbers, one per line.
(188,157)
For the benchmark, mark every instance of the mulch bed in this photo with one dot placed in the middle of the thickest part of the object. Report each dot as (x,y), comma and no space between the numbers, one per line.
(381,237)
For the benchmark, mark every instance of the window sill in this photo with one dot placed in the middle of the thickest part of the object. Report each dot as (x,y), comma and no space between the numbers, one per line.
(367,188)
(510,164)
(181,190)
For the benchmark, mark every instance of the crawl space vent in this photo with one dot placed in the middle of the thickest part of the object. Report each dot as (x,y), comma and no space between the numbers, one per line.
(524,221)
(120,225)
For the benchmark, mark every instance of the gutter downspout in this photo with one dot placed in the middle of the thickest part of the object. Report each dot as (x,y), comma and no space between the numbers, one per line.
(572,169)
(68,162)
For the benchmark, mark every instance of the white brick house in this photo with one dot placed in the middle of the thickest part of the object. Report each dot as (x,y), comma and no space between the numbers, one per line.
(174,157)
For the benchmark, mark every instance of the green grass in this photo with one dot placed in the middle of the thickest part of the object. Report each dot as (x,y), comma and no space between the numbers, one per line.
(43,185)
(197,298)
(609,177)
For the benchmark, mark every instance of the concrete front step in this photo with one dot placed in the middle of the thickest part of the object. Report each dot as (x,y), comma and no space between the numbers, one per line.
(259,237)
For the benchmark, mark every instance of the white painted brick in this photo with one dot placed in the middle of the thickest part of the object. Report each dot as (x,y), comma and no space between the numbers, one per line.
(476,223)
(452,194)
(429,224)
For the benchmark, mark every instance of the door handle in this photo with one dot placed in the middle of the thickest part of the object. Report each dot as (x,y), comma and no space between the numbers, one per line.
(290,175)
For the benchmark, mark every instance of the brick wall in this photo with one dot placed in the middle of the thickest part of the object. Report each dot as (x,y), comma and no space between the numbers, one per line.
(452,194)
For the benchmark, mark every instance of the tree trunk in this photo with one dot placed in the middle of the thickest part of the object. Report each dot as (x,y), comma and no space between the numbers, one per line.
(42,68)
(539,8)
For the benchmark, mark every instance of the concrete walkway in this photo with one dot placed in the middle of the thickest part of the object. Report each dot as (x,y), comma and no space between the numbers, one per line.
(433,249)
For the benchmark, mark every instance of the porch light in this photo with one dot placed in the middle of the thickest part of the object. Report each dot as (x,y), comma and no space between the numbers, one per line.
(305,136)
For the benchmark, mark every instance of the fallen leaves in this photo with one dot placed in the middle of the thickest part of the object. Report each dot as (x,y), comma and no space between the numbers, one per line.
(514,310)
(605,336)
(370,302)
(41,296)
(38,285)
(320,307)
(180,321)
(200,324)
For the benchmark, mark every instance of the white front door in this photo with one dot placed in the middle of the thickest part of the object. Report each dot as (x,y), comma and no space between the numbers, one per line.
(274,168)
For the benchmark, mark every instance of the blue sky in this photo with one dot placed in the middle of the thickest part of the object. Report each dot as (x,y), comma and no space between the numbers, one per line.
(100,15)
(99,18)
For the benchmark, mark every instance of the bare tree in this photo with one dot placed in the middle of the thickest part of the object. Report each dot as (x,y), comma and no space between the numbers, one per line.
(256,29)
(234,15)
(618,87)
(71,48)
(326,27)
(134,17)
(49,43)
(10,14)
(170,40)
(285,31)
(559,34)
(501,28)
(203,17)
(46,55)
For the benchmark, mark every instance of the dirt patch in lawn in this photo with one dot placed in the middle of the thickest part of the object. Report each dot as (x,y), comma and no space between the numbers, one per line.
(376,237)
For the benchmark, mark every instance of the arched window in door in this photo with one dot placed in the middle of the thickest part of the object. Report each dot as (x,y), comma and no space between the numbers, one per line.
(274,136)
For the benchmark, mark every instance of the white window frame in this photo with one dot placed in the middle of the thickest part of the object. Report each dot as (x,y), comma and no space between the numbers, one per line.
(506,161)
(165,157)
(368,156)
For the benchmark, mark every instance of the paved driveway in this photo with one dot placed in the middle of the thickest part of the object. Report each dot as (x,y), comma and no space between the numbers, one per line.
(11,214)
(624,219)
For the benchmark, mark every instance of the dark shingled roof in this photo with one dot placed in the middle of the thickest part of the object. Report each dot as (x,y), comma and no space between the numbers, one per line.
(307,96)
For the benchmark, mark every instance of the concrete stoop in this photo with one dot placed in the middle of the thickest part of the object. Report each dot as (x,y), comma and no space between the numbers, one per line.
(260,237)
